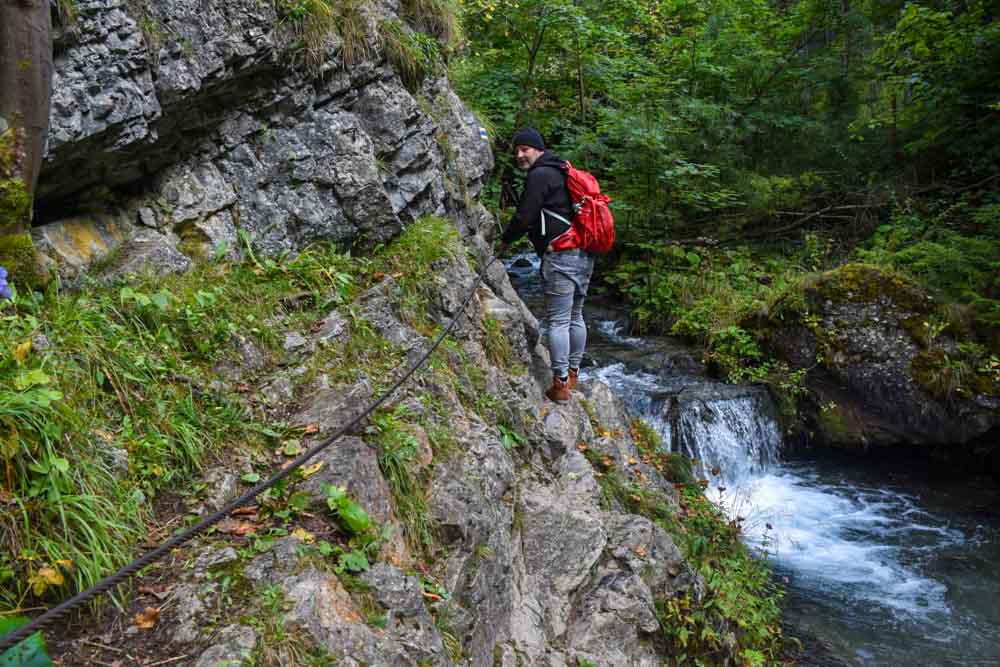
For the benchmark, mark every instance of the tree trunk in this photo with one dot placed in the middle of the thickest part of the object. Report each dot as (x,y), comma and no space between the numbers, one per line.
(25,96)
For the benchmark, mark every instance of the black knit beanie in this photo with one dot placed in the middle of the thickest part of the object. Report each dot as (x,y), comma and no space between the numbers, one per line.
(528,136)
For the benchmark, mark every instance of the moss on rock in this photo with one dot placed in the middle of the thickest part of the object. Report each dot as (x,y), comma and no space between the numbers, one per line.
(17,255)
(867,283)
(836,425)
(947,376)
(17,251)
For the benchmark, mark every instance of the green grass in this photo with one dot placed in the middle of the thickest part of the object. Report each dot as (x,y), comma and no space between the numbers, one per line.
(277,644)
(413,54)
(67,13)
(353,28)
(126,376)
(311,24)
(440,18)
(412,260)
(496,343)
(398,448)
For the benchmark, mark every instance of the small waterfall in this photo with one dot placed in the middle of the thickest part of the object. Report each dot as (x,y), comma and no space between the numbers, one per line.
(614,330)
(733,437)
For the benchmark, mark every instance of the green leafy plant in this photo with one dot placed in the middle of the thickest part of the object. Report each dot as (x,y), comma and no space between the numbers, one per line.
(352,516)
(29,652)
(510,438)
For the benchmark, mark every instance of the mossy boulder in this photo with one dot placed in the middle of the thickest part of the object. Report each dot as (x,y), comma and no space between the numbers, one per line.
(888,364)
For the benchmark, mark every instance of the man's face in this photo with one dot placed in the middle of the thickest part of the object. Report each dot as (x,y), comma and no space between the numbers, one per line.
(525,156)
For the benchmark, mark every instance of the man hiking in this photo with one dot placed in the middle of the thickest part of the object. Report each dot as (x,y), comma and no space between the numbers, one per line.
(544,214)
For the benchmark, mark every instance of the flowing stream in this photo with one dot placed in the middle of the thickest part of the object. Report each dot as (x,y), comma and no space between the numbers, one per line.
(881,567)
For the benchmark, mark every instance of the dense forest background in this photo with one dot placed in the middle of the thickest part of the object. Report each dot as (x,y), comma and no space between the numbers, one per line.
(747,143)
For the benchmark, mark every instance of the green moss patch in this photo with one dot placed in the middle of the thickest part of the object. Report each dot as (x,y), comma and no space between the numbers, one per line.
(962,373)
(866,283)
(17,255)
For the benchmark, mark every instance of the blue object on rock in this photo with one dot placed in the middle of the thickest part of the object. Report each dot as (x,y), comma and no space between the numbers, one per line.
(5,292)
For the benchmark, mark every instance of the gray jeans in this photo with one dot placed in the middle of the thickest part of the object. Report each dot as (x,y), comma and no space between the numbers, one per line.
(566,277)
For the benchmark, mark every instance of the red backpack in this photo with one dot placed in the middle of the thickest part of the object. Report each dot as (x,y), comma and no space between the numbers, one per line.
(593,225)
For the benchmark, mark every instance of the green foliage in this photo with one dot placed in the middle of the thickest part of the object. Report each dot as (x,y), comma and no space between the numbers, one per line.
(509,438)
(312,23)
(954,252)
(17,255)
(398,449)
(112,407)
(67,13)
(673,466)
(352,25)
(496,343)
(439,18)
(351,515)
(701,119)
(279,645)
(15,205)
(938,57)
(707,296)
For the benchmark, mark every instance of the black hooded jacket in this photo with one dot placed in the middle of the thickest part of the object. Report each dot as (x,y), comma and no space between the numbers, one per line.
(544,188)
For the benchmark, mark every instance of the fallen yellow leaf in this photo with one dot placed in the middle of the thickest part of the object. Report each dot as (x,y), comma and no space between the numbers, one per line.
(303,535)
(51,576)
(313,469)
(22,350)
(147,619)
(65,564)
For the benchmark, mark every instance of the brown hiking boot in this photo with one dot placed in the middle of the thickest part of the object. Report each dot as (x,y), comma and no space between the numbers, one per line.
(574,377)
(559,391)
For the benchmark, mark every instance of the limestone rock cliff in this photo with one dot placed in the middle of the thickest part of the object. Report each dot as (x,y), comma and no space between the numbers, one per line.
(181,129)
